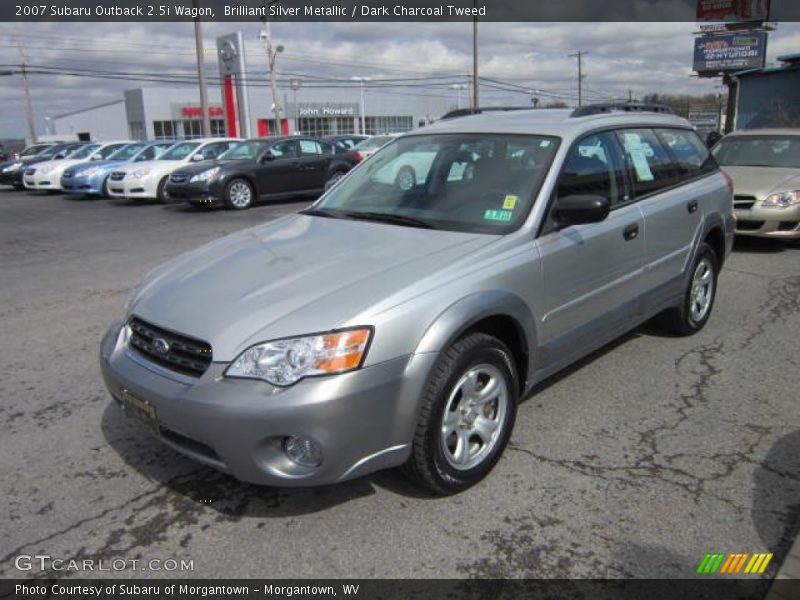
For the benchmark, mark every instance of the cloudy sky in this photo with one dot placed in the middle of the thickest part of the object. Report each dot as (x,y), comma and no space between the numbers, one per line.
(641,57)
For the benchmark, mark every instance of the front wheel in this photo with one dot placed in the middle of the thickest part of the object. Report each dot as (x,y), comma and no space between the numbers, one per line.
(698,298)
(467,415)
(238,195)
(161,192)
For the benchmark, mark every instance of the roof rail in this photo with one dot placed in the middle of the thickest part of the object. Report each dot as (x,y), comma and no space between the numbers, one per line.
(608,107)
(465,112)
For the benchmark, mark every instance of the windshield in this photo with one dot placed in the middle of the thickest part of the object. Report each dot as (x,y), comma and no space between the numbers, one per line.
(84,152)
(374,142)
(460,182)
(126,152)
(780,151)
(33,150)
(179,151)
(244,151)
(53,150)
(110,149)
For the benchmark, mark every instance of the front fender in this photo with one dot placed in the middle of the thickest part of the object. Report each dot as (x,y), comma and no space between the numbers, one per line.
(460,316)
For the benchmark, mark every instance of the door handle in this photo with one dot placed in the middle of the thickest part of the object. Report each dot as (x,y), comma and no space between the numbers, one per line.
(631,232)
(692,206)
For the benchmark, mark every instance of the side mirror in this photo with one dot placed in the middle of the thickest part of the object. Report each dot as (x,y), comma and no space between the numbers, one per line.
(197,157)
(60,155)
(268,156)
(97,156)
(580,209)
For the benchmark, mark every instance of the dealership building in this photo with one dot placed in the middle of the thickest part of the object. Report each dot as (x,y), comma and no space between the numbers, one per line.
(162,112)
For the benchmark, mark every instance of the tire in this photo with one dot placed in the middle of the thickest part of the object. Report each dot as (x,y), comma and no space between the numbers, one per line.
(698,297)
(334,179)
(238,194)
(19,188)
(104,188)
(449,453)
(161,191)
(406,178)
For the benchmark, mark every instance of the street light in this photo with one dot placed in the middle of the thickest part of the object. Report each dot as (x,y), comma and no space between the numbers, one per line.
(295,84)
(458,87)
(47,125)
(363,118)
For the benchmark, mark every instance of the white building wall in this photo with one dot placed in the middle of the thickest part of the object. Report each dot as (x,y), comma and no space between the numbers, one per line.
(103,122)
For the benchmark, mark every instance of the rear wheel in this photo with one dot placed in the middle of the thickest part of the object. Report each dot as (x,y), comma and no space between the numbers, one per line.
(334,178)
(161,191)
(238,195)
(468,411)
(698,298)
(406,178)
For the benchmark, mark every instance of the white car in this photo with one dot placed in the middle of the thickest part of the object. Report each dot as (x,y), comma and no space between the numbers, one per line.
(47,175)
(148,179)
(372,144)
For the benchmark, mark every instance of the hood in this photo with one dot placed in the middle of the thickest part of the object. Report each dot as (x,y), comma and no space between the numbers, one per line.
(93,163)
(61,163)
(198,167)
(149,164)
(763,181)
(293,276)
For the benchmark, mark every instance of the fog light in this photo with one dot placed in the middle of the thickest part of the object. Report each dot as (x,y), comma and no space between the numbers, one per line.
(303,451)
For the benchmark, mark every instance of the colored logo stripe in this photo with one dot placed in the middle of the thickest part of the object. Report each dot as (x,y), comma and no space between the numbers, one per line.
(733,563)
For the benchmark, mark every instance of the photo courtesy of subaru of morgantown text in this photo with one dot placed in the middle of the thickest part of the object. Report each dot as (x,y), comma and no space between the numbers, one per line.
(416,301)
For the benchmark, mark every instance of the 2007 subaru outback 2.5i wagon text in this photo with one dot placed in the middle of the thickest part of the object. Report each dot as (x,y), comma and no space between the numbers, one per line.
(396,324)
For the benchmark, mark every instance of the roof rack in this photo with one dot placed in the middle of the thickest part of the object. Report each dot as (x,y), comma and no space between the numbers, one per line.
(465,112)
(608,107)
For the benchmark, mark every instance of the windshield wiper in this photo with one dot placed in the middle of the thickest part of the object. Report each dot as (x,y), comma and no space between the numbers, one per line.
(390,218)
(319,212)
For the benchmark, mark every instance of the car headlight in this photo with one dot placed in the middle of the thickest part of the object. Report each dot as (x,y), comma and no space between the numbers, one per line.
(13,167)
(139,173)
(46,169)
(285,362)
(205,175)
(89,172)
(782,199)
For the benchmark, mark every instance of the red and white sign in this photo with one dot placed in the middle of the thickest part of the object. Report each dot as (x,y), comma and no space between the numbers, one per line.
(732,10)
(196,112)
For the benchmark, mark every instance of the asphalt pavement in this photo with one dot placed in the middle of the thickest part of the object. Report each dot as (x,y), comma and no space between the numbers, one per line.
(635,463)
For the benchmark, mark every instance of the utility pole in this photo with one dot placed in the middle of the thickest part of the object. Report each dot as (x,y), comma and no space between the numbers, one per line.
(580,54)
(272,54)
(475,84)
(27,90)
(201,73)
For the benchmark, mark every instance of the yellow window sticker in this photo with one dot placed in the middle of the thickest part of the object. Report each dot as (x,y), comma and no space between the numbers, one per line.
(510,203)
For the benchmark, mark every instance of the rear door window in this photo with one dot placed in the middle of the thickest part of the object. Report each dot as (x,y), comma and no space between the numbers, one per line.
(648,162)
(688,151)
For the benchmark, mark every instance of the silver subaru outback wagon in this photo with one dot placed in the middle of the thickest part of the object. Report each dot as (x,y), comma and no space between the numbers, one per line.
(400,319)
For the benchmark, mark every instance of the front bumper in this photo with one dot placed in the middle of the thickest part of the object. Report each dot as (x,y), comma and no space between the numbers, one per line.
(200,192)
(132,188)
(782,223)
(48,181)
(363,420)
(9,178)
(83,185)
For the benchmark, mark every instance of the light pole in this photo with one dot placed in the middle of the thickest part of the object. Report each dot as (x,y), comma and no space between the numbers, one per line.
(272,54)
(295,84)
(48,126)
(363,107)
(458,87)
(201,73)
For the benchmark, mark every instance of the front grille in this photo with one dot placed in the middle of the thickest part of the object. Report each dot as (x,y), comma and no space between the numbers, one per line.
(744,202)
(117,176)
(30,171)
(170,350)
(177,178)
(749,225)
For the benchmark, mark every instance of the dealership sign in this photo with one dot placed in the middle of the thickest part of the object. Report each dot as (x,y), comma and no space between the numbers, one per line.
(732,10)
(196,112)
(730,52)
(326,110)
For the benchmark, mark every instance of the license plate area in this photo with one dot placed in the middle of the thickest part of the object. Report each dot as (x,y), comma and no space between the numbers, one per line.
(141,411)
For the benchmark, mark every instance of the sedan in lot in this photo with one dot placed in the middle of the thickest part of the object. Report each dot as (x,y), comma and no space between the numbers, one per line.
(259,169)
(148,180)
(91,178)
(765,167)
(47,175)
(13,172)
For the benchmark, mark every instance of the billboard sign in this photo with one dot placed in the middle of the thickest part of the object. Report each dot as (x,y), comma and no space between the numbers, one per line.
(732,10)
(730,52)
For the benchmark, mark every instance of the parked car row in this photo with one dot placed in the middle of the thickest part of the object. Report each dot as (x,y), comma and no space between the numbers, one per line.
(228,172)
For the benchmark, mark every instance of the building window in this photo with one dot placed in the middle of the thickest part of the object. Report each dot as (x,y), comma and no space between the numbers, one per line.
(217,128)
(164,129)
(381,125)
(137,131)
(192,128)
